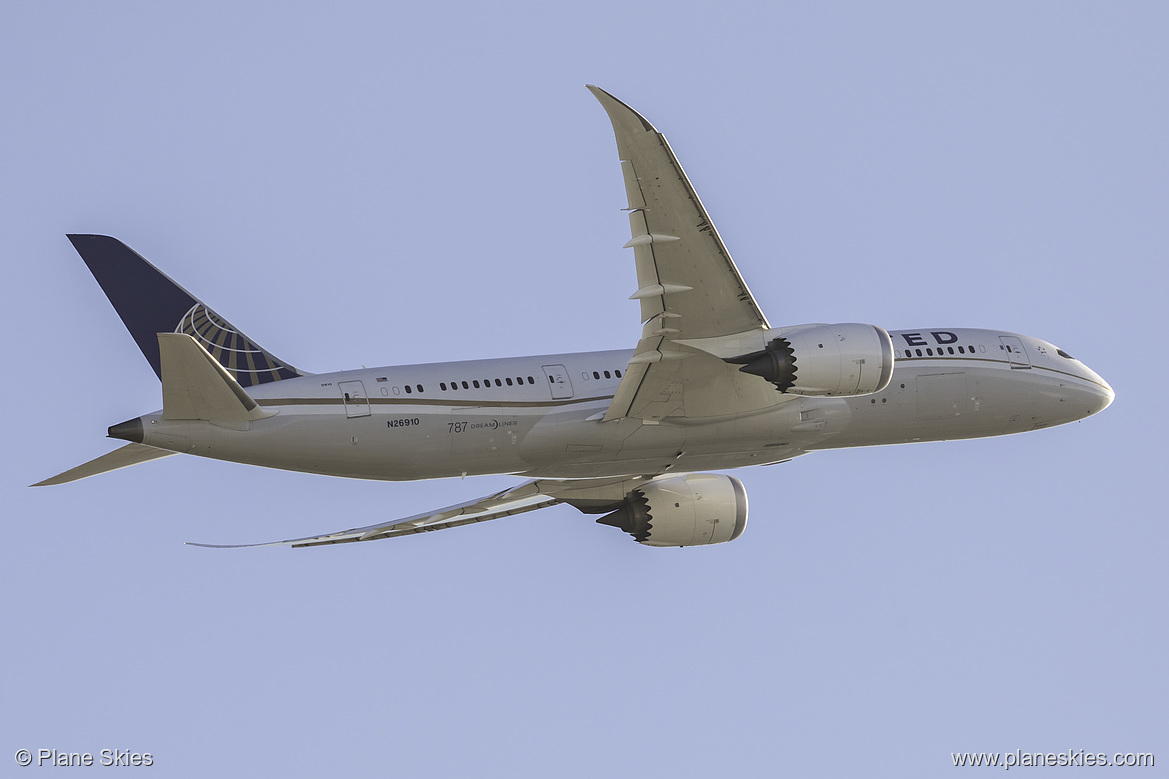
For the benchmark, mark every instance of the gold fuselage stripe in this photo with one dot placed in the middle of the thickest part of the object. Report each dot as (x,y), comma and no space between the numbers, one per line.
(468,403)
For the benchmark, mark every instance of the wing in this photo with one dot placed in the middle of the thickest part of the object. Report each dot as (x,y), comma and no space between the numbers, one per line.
(688,287)
(592,495)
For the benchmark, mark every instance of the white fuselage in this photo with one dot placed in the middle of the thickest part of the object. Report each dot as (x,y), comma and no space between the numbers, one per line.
(540,416)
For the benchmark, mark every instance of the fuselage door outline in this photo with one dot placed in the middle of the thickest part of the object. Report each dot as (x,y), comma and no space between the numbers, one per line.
(1016,352)
(558,381)
(354,397)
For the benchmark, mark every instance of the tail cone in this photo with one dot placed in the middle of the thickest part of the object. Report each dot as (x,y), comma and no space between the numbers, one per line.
(130,430)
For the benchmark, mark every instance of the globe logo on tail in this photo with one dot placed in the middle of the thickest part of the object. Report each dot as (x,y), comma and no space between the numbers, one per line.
(243,359)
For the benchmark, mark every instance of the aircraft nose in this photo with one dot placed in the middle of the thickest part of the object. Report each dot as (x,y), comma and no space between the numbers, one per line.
(1104,396)
(1092,395)
(1087,392)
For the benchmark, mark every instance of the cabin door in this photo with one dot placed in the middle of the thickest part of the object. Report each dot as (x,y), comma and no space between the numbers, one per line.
(354,398)
(1016,352)
(558,382)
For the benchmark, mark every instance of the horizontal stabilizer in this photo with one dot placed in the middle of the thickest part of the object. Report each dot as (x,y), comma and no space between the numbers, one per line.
(128,455)
(196,386)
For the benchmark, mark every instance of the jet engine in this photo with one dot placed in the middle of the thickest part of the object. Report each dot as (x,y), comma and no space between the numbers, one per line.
(690,510)
(840,360)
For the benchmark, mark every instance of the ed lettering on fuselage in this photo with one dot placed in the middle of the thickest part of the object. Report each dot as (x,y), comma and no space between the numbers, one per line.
(626,434)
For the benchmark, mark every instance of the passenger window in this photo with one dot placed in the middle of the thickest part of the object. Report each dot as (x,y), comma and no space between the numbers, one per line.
(508,380)
(918,352)
(929,352)
(408,390)
(475,383)
(531,380)
(607,376)
(442,386)
(596,375)
(618,373)
(465,385)
(950,349)
(498,383)
(419,386)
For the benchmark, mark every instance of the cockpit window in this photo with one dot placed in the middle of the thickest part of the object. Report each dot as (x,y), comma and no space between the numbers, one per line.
(1064,354)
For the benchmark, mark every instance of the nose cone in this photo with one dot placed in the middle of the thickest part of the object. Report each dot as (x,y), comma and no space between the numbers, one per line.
(1082,391)
(1099,393)
(1104,396)
(1089,396)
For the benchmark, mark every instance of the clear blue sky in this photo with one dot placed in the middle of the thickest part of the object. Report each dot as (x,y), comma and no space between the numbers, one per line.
(375,183)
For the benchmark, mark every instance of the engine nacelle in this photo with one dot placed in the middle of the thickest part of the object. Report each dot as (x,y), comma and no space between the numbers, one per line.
(690,510)
(841,360)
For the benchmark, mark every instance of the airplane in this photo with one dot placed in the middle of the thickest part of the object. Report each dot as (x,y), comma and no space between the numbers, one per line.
(628,434)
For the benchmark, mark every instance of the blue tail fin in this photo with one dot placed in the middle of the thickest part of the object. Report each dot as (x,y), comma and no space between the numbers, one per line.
(149,303)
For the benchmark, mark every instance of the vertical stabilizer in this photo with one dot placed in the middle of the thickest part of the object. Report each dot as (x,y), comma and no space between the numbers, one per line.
(150,303)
